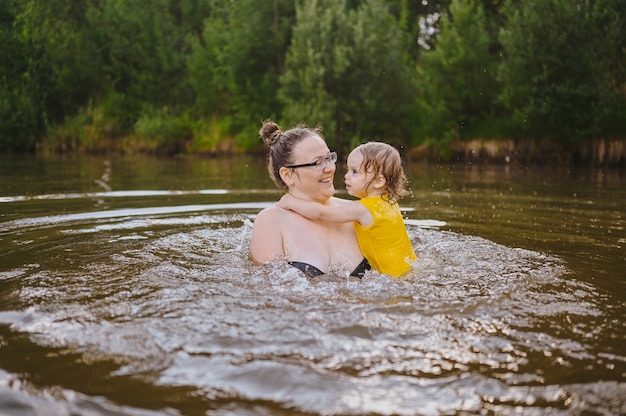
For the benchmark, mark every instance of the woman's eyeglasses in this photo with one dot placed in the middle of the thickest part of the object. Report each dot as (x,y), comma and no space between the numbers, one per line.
(319,164)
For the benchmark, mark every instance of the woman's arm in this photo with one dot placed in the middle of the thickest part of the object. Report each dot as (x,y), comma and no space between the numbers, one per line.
(347,212)
(267,240)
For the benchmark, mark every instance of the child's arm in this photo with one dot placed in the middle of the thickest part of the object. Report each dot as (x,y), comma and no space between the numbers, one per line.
(351,211)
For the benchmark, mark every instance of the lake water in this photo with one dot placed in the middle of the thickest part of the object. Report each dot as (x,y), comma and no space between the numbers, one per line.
(126,288)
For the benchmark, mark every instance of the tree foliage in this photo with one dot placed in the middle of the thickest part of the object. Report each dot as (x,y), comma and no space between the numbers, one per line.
(18,120)
(409,72)
(556,71)
(349,69)
(142,50)
(457,78)
(317,63)
(235,63)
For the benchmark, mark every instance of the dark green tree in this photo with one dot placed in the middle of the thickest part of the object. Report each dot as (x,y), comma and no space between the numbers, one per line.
(19,122)
(141,50)
(349,70)
(378,101)
(62,67)
(235,64)
(317,63)
(53,69)
(557,67)
(419,19)
(457,77)
(608,22)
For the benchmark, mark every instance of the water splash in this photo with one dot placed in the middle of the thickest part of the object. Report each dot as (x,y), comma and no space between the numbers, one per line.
(170,296)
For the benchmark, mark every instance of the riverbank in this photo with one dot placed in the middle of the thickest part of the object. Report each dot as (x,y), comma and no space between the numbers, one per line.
(596,152)
(603,152)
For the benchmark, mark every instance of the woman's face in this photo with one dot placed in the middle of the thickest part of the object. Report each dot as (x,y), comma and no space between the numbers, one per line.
(310,182)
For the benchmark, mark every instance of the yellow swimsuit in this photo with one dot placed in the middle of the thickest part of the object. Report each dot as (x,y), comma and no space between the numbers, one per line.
(385,243)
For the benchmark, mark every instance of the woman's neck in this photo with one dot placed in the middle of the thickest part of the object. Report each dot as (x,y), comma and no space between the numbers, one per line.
(322,199)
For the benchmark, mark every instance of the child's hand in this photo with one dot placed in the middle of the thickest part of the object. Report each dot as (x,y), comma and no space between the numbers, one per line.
(285,201)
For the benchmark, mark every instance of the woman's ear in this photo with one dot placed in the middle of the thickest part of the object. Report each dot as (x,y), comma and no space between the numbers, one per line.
(285,174)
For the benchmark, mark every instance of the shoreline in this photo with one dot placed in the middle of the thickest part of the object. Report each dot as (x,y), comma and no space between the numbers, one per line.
(598,152)
(489,151)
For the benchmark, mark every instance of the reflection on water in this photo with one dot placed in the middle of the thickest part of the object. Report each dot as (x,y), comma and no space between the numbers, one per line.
(151,306)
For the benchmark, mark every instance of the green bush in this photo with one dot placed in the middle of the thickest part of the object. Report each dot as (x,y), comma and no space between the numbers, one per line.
(167,132)
(20,126)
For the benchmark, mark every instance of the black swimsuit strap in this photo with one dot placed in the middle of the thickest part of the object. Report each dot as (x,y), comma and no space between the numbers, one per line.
(307,269)
(312,271)
(361,269)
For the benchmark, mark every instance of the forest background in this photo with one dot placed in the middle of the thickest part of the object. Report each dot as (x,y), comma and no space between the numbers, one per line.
(541,80)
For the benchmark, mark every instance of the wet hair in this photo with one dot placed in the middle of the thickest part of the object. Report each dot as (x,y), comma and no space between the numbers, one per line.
(384,159)
(282,145)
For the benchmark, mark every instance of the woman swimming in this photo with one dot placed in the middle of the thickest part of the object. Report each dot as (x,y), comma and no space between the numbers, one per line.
(302,165)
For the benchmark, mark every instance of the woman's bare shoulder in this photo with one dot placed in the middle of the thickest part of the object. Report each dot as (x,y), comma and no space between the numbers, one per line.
(269,215)
(275,216)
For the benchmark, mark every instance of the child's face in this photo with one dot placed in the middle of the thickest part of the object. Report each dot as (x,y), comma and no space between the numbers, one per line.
(356,178)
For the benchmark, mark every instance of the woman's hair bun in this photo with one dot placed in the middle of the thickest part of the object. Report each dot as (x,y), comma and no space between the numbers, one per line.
(270,133)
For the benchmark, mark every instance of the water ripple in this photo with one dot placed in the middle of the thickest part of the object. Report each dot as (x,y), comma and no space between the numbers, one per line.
(182,306)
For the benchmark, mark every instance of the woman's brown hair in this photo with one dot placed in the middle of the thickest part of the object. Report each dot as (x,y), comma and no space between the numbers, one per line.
(282,145)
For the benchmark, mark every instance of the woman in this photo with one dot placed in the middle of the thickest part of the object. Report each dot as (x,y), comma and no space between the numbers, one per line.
(300,163)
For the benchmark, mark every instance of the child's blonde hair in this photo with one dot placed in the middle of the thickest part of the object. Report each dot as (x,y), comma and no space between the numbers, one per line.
(384,159)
